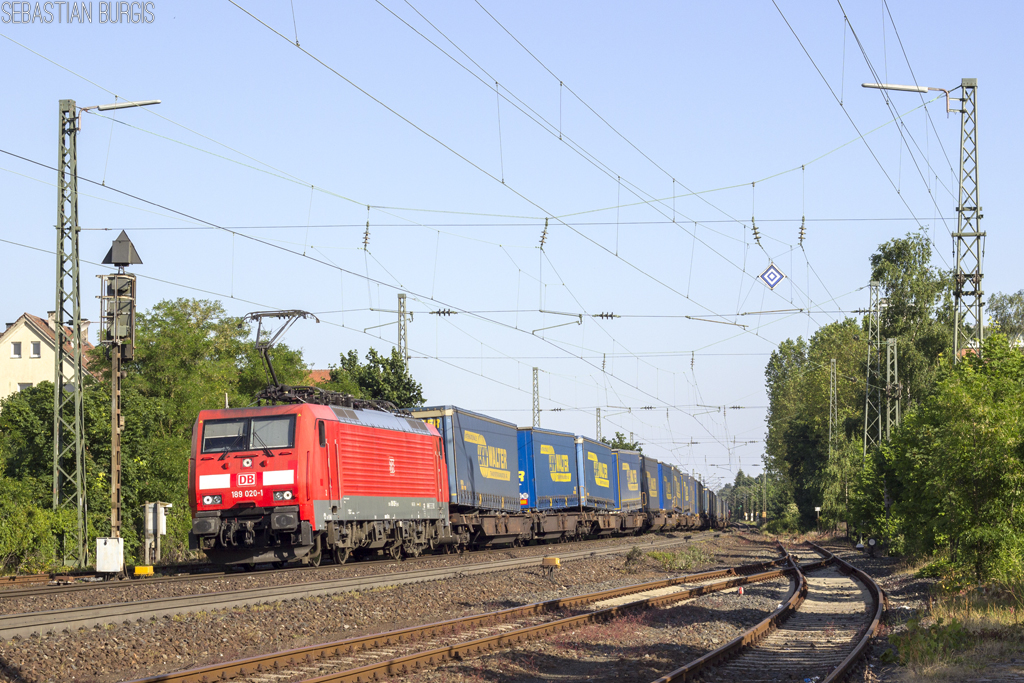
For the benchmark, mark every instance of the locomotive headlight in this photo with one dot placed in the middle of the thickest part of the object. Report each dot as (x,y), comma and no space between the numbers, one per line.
(278,495)
(216,500)
(207,500)
(287,495)
(247,462)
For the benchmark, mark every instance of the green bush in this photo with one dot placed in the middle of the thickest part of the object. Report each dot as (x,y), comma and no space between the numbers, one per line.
(28,532)
(788,523)
(681,560)
(923,645)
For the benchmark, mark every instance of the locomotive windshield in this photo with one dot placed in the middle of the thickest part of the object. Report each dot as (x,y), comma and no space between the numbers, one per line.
(221,436)
(273,432)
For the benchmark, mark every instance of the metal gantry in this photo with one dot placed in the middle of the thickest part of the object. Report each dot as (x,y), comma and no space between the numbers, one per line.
(969,240)
(893,389)
(68,422)
(117,333)
(873,373)
(403,331)
(536,398)
(833,407)
(117,320)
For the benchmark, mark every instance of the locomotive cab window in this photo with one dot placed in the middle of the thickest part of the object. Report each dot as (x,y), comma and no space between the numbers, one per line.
(273,432)
(221,436)
(225,435)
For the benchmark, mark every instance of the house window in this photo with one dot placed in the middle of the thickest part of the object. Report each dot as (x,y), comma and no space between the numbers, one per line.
(15,349)
(23,386)
(36,349)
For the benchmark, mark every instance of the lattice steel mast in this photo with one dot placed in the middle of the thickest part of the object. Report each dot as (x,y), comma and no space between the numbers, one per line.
(833,408)
(403,331)
(68,422)
(536,399)
(893,390)
(969,240)
(873,378)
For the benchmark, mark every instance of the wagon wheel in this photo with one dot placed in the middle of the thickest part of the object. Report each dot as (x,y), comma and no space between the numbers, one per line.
(341,555)
(396,552)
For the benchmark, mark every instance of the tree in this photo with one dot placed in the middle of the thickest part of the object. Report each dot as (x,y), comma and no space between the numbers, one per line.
(918,311)
(958,459)
(1007,311)
(381,378)
(799,392)
(621,443)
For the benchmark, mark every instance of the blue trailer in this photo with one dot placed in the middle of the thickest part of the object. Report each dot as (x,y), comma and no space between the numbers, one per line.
(667,500)
(600,480)
(677,488)
(689,495)
(650,483)
(548,470)
(630,498)
(482,458)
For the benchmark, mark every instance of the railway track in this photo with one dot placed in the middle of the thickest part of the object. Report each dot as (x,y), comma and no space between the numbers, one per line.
(399,652)
(32,585)
(26,623)
(822,630)
(9,583)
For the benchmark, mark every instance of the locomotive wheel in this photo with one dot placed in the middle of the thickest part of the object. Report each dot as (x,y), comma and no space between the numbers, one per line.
(314,559)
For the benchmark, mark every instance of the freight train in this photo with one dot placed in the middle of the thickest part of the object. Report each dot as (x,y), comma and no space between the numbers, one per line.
(318,473)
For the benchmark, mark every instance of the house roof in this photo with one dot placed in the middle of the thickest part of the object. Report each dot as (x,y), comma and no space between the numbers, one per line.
(318,376)
(42,327)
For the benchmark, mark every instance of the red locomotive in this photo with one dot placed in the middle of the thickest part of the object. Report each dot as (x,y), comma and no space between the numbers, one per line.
(280,483)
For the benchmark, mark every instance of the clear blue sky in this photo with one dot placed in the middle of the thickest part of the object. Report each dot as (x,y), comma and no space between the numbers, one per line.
(657,99)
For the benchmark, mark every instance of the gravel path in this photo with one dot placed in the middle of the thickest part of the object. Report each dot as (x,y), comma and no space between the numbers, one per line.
(129,591)
(637,648)
(107,654)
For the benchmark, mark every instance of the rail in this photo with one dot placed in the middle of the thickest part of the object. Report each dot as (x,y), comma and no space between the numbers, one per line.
(272,662)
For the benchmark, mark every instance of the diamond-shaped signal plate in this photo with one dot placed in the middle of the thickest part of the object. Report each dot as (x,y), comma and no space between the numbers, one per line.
(772,276)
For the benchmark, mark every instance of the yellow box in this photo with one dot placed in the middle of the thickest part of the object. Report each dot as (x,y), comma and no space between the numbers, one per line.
(550,562)
(143,571)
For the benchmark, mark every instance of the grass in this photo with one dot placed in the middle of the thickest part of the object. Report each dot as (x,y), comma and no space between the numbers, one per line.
(961,634)
(683,560)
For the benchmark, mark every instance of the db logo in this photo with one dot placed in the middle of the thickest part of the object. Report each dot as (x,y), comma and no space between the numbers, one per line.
(247,479)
